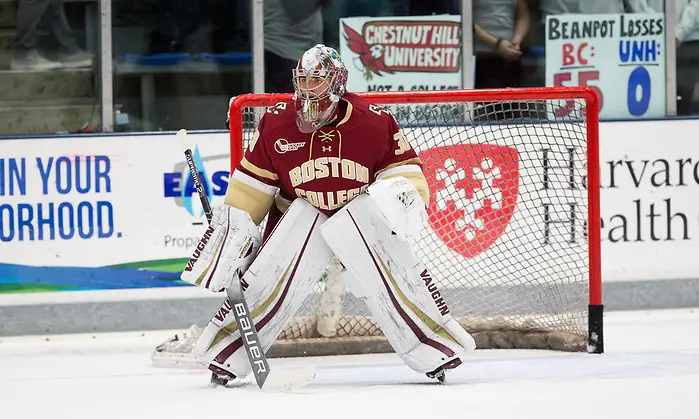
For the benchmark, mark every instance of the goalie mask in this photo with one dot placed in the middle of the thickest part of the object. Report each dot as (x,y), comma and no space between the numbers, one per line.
(320,80)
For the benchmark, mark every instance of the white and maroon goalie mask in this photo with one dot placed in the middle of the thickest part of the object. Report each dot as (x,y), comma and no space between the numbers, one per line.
(320,80)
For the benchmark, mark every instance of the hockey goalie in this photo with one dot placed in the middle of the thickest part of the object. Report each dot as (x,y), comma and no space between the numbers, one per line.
(339,184)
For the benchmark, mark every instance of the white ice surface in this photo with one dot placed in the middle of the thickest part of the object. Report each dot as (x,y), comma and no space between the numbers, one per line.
(650,370)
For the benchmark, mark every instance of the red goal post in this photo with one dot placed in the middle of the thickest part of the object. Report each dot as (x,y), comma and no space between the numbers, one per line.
(544,127)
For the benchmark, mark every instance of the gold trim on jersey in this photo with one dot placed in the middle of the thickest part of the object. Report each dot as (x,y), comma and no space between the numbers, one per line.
(310,148)
(256,170)
(326,136)
(347,114)
(339,148)
(249,199)
(414,160)
(281,203)
(433,325)
(254,182)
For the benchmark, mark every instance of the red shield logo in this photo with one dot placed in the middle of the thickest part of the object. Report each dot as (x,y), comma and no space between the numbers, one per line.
(473,189)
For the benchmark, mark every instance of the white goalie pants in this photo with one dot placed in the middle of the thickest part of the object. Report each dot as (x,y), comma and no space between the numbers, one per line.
(381,270)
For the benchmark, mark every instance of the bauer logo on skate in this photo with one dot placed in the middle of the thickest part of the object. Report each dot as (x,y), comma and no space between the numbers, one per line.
(474,194)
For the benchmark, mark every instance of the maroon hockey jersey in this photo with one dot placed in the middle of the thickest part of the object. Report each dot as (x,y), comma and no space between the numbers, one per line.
(328,167)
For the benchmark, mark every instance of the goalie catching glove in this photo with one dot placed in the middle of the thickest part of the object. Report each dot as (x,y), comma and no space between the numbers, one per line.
(401,206)
(225,251)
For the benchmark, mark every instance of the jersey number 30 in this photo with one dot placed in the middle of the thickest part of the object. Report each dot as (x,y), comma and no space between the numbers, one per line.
(403,144)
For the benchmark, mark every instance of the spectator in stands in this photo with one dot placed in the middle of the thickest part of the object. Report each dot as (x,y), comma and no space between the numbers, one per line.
(535,64)
(560,7)
(500,27)
(434,7)
(601,6)
(687,43)
(644,6)
(26,56)
(423,7)
(499,30)
(291,28)
(335,10)
(231,26)
(177,20)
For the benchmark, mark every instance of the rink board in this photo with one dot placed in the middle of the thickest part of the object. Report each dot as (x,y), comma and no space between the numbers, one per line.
(110,212)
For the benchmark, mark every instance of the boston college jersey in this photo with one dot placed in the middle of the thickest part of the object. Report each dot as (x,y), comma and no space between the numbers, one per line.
(328,167)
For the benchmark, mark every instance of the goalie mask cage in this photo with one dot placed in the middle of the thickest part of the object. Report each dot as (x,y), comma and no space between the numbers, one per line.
(513,231)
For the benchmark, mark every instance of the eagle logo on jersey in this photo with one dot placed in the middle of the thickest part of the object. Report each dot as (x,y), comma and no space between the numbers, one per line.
(474,189)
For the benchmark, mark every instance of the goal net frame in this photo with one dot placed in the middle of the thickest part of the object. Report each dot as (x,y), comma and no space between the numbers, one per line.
(594,342)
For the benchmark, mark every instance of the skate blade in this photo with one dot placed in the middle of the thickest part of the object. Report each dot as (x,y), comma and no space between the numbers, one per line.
(288,380)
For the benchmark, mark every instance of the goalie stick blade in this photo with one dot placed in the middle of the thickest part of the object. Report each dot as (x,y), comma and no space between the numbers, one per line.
(288,380)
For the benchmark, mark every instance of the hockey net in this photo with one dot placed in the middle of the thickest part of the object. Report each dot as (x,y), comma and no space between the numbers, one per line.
(512,238)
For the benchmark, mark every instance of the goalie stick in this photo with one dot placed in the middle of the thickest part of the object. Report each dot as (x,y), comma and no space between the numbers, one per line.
(283,380)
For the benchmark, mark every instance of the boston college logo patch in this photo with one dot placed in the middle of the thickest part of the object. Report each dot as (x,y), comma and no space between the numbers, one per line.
(474,189)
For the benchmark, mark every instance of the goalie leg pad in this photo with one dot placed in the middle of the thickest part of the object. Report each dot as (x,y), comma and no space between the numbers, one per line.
(402,296)
(276,284)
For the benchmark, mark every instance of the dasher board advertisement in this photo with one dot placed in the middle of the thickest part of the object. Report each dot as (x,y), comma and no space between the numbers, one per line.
(120,212)
(402,53)
(103,212)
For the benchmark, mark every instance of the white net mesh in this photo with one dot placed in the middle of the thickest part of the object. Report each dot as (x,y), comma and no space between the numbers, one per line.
(506,239)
